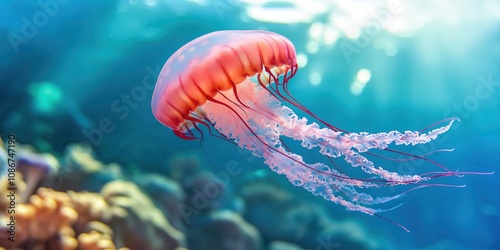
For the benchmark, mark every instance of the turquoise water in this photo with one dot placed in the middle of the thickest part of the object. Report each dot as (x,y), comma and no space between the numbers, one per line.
(83,72)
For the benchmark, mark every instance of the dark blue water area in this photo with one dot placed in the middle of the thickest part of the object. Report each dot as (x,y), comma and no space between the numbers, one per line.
(104,57)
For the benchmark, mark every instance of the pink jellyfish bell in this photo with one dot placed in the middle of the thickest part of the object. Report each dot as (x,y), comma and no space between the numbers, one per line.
(208,82)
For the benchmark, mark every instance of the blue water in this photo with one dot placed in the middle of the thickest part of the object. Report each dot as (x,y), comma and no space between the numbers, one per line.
(79,71)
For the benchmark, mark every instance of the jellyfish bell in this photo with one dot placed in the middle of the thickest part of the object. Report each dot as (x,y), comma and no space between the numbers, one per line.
(208,83)
(213,63)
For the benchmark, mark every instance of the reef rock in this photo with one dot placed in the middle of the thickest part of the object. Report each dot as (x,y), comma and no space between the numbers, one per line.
(80,171)
(281,245)
(139,225)
(223,230)
(167,196)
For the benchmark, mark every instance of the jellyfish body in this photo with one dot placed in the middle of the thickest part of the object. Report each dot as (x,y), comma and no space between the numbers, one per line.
(208,82)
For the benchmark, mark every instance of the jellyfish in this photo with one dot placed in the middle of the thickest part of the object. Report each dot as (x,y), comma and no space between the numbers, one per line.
(235,83)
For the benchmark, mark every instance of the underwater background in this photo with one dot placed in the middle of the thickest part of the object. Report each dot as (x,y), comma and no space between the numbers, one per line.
(76,80)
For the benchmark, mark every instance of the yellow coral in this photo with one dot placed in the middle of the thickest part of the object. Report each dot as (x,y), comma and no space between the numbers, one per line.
(95,241)
(98,236)
(92,207)
(65,240)
(82,157)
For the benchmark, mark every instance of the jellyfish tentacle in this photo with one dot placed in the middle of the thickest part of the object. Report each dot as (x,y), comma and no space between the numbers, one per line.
(320,188)
(277,158)
(363,146)
(332,143)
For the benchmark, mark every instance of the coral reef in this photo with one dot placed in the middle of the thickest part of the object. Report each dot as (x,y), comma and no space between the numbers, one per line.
(281,245)
(204,190)
(95,240)
(47,213)
(87,205)
(96,236)
(3,158)
(167,196)
(182,166)
(80,171)
(4,184)
(139,223)
(279,215)
(121,215)
(42,223)
(223,230)
(34,168)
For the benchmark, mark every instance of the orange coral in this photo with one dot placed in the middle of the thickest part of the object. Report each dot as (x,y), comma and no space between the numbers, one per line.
(52,211)
(73,220)
(95,241)
(64,240)
(47,214)
(98,236)
(49,219)
(77,221)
